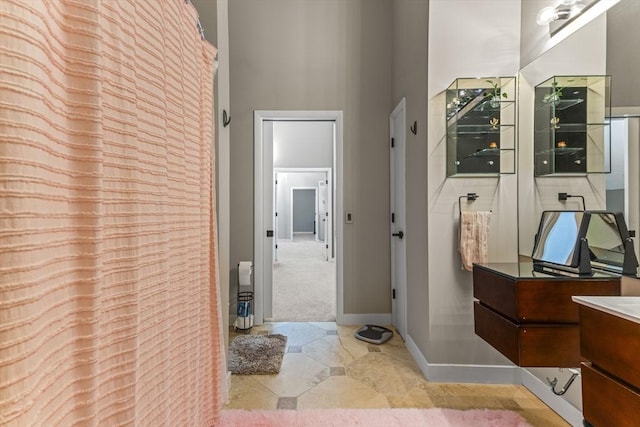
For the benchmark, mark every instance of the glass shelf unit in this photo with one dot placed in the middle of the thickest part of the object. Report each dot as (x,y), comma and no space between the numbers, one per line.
(480,116)
(571,125)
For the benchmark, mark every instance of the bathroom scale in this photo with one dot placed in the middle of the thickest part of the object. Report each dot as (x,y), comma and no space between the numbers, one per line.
(373,334)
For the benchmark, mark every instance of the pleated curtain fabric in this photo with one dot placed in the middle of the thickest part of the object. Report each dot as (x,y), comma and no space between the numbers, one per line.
(109,307)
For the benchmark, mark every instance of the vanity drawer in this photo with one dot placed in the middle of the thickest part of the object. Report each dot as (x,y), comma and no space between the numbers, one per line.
(529,345)
(540,299)
(607,402)
(611,343)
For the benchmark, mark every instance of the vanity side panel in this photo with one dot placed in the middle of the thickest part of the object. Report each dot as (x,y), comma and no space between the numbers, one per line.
(611,343)
(607,402)
(496,291)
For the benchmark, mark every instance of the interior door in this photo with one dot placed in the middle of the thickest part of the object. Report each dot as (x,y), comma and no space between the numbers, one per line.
(276,219)
(322,208)
(398,231)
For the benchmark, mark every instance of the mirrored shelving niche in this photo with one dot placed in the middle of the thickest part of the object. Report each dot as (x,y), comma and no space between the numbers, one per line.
(572,132)
(481,127)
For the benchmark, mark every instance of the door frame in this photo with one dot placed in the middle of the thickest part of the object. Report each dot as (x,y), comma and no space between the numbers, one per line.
(399,304)
(631,118)
(264,169)
(328,177)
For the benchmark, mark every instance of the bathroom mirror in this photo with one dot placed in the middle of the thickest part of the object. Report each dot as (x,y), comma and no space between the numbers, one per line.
(572,134)
(610,246)
(577,241)
(600,48)
(558,238)
(481,126)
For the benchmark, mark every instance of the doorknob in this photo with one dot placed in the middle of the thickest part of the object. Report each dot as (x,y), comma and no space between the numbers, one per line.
(399,234)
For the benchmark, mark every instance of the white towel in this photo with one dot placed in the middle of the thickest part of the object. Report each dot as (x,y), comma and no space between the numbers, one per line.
(474,230)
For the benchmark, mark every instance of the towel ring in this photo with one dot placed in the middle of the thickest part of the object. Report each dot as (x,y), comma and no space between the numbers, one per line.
(470,198)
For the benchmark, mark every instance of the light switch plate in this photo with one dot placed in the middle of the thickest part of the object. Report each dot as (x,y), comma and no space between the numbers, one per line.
(348,217)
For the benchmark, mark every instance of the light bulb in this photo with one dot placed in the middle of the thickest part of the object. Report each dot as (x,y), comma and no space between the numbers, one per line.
(546,15)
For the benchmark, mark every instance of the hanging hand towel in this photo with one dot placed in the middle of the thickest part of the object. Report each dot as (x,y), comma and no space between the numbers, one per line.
(474,231)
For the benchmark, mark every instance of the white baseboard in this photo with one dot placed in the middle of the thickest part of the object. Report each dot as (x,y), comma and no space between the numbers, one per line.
(480,374)
(366,319)
(562,407)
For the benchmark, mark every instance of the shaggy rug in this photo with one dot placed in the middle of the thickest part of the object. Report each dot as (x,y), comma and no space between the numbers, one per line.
(435,417)
(256,354)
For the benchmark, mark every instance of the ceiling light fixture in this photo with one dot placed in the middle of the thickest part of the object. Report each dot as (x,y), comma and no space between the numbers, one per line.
(565,9)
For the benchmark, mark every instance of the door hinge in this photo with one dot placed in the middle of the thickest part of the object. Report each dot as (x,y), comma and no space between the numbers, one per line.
(393,142)
(276,213)
(326,181)
(276,246)
(394,294)
(326,246)
(276,182)
(393,217)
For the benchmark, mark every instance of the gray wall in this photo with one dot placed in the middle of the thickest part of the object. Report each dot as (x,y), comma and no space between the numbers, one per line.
(319,55)
(208,15)
(623,53)
(213,12)
(409,80)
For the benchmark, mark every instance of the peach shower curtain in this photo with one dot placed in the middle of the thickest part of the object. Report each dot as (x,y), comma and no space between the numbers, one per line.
(109,309)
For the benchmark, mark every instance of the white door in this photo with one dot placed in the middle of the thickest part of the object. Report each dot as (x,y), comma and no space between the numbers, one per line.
(263,294)
(397,126)
(276,219)
(322,211)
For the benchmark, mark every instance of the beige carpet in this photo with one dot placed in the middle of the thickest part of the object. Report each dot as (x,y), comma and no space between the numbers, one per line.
(304,283)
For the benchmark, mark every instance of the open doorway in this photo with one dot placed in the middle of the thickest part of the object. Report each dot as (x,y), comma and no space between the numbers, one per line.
(622,153)
(304,273)
(298,266)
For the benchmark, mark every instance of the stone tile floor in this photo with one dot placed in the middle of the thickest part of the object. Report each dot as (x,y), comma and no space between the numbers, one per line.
(326,367)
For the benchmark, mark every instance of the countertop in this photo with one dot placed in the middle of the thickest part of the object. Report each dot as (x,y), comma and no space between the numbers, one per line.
(525,270)
(625,307)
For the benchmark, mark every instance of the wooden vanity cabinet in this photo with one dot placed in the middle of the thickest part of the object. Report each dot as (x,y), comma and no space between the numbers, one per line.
(610,343)
(529,316)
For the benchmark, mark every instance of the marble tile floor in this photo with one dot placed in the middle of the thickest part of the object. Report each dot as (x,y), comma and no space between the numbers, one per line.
(326,367)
